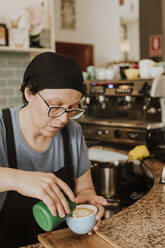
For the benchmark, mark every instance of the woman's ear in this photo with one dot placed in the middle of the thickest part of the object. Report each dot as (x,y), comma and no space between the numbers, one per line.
(27,94)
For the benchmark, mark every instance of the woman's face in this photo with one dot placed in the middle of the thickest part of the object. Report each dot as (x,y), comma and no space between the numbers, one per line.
(38,109)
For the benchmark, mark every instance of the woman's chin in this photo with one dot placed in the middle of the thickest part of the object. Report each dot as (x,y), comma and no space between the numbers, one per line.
(53,131)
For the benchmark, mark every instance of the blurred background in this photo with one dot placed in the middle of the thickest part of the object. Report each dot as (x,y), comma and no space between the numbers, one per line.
(97,33)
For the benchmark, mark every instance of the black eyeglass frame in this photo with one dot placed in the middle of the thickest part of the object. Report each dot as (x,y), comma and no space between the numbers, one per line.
(81,110)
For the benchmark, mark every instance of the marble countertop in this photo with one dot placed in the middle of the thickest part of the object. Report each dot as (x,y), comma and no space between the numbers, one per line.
(141,225)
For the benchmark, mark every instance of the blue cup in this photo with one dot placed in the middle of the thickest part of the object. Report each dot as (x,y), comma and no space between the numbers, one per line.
(84,224)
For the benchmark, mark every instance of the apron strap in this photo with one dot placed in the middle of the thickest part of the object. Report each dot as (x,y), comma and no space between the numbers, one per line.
(66,144)
(68,157)
(10,142)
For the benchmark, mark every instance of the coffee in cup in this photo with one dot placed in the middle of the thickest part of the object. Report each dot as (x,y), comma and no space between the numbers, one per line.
(81,212)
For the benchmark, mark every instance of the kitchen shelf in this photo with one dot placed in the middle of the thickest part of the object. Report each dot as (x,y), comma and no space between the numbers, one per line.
(49,24)
(28,50)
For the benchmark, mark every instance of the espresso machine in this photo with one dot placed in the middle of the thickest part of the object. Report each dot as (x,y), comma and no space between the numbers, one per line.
(120,115)
(124,112)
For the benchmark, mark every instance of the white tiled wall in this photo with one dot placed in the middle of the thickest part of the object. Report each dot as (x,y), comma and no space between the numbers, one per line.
(12,67)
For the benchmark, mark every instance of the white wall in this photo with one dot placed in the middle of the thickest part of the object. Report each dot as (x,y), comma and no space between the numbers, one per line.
(129,14)
(97,23)
(134,38)
(129,10)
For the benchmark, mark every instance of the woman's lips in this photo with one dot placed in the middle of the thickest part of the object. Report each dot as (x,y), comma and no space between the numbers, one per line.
(55,128)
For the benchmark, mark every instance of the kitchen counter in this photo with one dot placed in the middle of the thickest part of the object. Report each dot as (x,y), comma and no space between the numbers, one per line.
(142,225)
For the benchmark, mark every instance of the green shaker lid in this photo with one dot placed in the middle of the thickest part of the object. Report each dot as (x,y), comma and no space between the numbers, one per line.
(45,219)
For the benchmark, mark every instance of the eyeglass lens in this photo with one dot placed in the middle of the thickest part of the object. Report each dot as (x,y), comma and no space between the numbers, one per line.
(72,114)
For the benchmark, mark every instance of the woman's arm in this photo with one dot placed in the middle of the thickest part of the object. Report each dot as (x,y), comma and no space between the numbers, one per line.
(43,186)
(85,193)
(84,187)
(7,178)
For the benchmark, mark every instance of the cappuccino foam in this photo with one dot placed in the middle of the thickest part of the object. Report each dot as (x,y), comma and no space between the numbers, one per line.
(82,212)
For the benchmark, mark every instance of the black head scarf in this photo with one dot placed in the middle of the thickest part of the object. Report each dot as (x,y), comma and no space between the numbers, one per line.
(54,71)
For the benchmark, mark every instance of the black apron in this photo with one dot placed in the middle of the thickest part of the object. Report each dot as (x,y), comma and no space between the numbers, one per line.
(17,224)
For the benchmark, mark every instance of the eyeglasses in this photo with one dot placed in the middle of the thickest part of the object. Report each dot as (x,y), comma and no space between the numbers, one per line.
(56,111)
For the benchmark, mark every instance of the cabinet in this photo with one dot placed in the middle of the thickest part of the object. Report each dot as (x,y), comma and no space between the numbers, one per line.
(49,23)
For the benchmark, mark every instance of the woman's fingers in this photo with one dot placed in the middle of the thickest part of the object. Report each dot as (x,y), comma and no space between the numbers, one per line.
(90,233)
(98,218)
(98,199)
(63,206)
(45,187)
(65,188)
(96,227)
(100,211)
(99,202)
(53,188)
(50,204)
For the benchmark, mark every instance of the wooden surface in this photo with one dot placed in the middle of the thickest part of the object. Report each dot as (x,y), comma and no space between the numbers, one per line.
(66,238)
(38,245)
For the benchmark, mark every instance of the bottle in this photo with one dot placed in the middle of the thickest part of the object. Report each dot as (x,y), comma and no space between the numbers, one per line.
(45,219)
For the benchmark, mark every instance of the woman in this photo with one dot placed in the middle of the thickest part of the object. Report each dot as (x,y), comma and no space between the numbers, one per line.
(44,155)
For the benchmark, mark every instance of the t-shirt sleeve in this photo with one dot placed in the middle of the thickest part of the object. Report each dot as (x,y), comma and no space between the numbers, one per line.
(84,163)
(80,161)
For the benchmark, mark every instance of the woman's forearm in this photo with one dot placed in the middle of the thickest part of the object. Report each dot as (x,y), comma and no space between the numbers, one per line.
(84,188)
(40,185)
(7,179)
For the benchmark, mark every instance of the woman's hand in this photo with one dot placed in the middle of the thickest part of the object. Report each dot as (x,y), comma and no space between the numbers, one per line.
(85,193)
(46,187)
(96,200)
(99,202)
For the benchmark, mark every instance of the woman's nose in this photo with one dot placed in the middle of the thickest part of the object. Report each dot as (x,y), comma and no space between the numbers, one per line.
(64,118)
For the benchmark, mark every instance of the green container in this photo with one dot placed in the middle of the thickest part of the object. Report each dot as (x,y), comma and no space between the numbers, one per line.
(45,219)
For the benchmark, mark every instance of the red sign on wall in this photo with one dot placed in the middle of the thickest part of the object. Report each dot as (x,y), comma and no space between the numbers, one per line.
(155,45)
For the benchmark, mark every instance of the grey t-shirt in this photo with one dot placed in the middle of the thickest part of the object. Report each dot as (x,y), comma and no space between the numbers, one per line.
(50,160)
